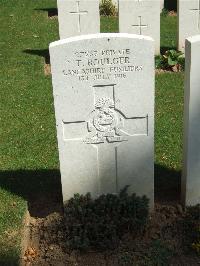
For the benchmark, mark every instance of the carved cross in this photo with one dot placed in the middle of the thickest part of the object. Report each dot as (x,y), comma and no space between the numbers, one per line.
(106,128)
(78,12)
(140,25)
(198,11)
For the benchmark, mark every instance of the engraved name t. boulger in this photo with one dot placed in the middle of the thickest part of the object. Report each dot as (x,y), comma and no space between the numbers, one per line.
(102,64)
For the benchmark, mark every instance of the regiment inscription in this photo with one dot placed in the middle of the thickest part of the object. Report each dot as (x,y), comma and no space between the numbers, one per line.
(101,64)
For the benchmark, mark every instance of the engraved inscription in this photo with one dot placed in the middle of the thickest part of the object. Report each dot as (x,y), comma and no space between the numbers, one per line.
(93,65)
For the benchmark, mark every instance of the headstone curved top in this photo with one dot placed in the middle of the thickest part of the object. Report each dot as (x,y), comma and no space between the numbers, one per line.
(103,88)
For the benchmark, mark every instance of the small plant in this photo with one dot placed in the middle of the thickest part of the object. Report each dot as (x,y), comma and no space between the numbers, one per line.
(159,62)
(173,57)
(107,8)
(172,60)
(100,223)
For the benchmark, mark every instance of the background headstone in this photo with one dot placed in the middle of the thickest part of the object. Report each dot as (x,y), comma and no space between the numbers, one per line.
(103,89)
(191,162)
(162,5)
(188,21)
(141,17)
(78,17)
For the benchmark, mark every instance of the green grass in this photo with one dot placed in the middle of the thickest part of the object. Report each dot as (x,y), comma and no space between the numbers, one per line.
(168,30)
(168,134)
(109,24)
(28,149)
(169,116)
(27,132)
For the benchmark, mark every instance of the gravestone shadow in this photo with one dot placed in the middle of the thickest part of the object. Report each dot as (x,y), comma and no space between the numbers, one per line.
(52,12)
(170,5)
(42,188)
(167,185)
(43,53)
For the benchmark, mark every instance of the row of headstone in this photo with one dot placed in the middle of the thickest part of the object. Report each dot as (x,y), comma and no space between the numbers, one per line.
(104,110)
(137,17)
(103,88)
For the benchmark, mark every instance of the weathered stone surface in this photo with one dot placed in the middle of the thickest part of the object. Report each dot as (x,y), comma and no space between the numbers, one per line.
(78,17)
(162,5)
(188,20)
(141,17)
(191,162)
(103,89)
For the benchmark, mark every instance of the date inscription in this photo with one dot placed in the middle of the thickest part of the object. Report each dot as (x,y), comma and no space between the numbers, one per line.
(100,65)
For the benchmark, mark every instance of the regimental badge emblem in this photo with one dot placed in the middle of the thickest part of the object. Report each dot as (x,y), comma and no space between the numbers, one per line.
(104,123)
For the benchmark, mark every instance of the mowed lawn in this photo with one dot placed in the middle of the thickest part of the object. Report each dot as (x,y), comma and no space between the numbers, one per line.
(28,148)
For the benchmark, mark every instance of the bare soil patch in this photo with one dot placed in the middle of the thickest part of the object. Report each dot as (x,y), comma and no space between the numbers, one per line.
(47,69)
(172,13)
(47,242)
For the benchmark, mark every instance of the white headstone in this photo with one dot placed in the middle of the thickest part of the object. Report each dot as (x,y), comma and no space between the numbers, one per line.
(141,17)
(162,5)
(78,17)
(103,89)
(188,21)
(191,162)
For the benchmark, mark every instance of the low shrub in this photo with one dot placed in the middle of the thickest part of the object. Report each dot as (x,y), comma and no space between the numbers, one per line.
(100,223)
(107,8)
(164,12)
